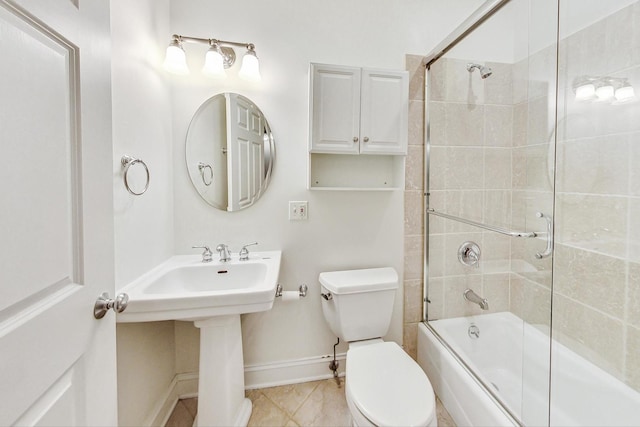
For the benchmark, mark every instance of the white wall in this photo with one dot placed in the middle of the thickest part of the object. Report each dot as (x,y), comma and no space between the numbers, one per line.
(344,230)
(143,225)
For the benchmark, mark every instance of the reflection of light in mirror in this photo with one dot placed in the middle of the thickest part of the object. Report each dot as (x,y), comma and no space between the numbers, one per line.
(585,92)
(603,89)
(625,93)
(605,92)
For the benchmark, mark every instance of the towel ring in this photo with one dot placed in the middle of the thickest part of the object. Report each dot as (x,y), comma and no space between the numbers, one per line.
(127,162)
(201,168)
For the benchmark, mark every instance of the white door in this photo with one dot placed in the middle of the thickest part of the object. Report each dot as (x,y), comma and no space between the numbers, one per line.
(384,113)
(57,362)
(245,151)
(335,109)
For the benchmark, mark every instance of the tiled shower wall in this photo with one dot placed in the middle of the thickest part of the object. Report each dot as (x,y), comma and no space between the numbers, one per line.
(596,291)
(472,127)
(414,208)
(492,161)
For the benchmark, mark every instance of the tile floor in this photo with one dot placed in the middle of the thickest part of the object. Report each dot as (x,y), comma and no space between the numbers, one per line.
(316,403)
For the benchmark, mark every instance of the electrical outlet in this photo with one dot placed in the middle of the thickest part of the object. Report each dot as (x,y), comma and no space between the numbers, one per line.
(298,211)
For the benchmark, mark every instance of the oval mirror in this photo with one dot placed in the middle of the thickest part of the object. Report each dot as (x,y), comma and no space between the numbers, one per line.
(229,151)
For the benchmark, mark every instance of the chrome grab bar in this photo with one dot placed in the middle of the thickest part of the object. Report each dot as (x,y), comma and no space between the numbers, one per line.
(549,247)
(500,230)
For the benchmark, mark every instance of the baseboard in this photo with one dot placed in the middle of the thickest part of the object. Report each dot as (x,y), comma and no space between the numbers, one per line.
(291,371)
(255,376)
(182,386)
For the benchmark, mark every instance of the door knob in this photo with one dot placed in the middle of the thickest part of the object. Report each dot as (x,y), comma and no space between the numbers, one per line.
(104,303)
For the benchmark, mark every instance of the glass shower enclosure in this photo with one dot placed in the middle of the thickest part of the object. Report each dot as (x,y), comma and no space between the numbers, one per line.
(533,194)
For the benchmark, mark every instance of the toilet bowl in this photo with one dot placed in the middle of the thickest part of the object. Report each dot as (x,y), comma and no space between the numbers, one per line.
(384,386)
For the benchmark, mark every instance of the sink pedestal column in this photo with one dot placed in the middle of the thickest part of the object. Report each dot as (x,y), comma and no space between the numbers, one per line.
(221,400)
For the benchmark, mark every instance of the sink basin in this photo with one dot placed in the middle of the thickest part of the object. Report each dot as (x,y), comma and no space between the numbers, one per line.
(185,288)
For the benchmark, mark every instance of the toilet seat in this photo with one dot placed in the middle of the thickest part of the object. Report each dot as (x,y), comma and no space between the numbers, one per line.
(388,387)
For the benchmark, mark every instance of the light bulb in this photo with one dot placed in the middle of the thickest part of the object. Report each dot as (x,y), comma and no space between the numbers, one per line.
(250,69)
(214,64)
(175,60)
(625,93)
(585,92)
(605,92)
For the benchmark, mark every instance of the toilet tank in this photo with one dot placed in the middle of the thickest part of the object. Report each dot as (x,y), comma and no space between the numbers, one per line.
(360,303)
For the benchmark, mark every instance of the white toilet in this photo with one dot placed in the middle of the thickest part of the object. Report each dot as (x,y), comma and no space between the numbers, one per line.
(384,386)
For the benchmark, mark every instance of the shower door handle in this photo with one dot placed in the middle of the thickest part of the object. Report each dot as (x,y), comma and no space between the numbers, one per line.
(549,247)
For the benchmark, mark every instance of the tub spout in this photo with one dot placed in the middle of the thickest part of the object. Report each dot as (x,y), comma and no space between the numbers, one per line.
(471,296)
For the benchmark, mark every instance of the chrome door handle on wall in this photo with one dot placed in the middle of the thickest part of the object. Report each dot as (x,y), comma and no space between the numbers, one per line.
(549,247)
(104,303)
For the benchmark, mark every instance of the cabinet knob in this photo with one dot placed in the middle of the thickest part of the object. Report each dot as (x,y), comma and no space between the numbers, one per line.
(355,139)
(366,139)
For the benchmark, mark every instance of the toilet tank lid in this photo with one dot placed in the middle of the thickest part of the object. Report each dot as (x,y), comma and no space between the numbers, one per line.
(355,281)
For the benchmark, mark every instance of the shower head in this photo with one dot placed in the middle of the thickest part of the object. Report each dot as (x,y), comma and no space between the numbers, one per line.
(484,71)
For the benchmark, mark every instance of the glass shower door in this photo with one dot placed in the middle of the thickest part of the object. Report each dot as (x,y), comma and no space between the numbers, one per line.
(491,108)
(595,377)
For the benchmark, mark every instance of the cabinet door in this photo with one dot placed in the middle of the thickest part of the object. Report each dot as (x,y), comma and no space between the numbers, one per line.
(384,112)
(335,109)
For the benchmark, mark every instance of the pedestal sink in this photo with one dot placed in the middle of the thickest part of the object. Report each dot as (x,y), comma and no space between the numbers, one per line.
(212,295)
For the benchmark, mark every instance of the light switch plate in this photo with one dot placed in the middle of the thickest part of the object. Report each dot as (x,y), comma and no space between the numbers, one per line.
(298,211)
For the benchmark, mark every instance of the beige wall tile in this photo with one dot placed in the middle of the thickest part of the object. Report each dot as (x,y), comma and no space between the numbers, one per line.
(410,339)
(462,168)
(597,223)
(498,88)
(633,295)
(634,230)
(414,168)
(413,208)
(416,123)
(519,128)
(412,301)
(437,118)
(413,258)
(632,373)
(495,288)
(530,301)
(436,255)
(498,125)
(435,289)
(497,208)
(497,168)
(530,167)
(466,204)
(593,335)
(590,278)
(454,303)
(594,165)
(464,124)
(416,76)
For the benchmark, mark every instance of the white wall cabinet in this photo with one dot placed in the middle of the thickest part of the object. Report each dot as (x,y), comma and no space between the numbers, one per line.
(357,111)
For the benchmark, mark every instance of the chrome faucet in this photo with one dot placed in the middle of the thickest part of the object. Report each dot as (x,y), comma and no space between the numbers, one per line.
(244,252)
(223,250)
(207,255)
(471,296)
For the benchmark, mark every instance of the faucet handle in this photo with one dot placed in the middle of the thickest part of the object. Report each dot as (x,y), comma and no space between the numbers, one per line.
(207,255)
(244,252)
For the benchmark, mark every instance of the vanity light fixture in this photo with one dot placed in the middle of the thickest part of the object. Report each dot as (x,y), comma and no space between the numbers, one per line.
(218,58)
(625,92)
(604,89)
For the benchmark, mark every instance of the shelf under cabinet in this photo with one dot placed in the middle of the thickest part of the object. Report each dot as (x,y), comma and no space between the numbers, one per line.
(345,172)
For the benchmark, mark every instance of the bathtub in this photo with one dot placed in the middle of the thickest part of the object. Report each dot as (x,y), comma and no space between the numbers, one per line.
(582,394)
